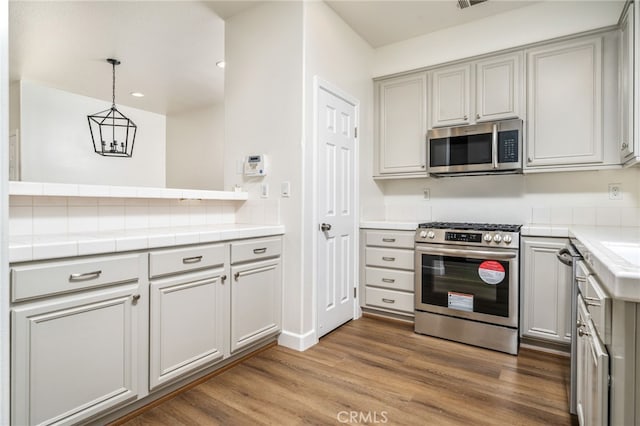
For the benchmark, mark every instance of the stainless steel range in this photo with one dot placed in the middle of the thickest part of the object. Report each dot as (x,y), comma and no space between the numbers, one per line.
(467,283)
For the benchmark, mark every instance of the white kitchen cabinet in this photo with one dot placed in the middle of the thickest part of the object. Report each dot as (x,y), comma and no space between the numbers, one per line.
(477,91)
(401,126)
(498,87)
(387,272)
(188,312)
(256,291)
(451,95)
(76,355)
(546,291)
(629,145)
(564,103)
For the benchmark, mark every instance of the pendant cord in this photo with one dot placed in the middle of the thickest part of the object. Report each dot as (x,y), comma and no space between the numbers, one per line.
(113,97)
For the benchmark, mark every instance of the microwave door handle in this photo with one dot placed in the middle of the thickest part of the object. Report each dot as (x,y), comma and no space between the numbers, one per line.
(494,145)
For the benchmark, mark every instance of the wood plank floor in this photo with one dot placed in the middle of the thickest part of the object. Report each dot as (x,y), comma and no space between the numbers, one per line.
(372,371)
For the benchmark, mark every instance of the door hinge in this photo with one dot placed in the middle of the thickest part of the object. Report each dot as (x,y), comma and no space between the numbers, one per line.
(355,292)
(355,132)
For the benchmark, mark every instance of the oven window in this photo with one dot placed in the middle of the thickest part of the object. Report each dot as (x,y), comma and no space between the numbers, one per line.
(474,285)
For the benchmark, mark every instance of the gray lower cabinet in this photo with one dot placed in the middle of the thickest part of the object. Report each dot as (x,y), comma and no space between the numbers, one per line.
(188,311)
(256,291)
(387,272)
(75,355)
(546,291)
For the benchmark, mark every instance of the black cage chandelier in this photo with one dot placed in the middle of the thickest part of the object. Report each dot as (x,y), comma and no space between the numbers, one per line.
(112,133)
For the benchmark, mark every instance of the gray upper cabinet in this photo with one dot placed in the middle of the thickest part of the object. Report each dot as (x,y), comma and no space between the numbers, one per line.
(401,127)
(564,103)
(499,87)
(451,95)
(629,151)
(473,92)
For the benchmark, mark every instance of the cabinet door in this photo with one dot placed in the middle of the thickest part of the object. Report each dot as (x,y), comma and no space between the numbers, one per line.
(450,102)
(74,357)
(564,108)
(402,125)
(187,315)
(626,85)
(498,87)
(546,307)
(582,387)
(256,302)
(596,411)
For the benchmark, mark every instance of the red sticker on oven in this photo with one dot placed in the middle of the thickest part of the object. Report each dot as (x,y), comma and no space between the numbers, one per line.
(491,272)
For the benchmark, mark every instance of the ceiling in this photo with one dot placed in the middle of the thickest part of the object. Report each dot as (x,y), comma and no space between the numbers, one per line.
(169,49)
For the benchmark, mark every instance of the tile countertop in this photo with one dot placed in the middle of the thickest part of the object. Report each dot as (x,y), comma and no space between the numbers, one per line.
(614,255)
(384,224)
(27,248)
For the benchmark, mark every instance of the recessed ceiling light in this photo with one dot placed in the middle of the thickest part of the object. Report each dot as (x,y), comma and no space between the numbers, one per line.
(220,64)
(137,94)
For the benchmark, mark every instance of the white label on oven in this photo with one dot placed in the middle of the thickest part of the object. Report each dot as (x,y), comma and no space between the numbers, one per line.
(461,301)
(491,272)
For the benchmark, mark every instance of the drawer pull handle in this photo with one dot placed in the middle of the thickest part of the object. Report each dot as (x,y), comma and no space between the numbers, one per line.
(389,240)
(388,280)
(388,259)
(85,276)
(260,250)
(134,299)
(388,300)
(194,259)
(223,278)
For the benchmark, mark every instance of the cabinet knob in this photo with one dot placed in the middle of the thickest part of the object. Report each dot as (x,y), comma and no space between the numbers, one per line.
(477,116)
(529,160)
(134,299)
(466,117)
(223,278)
(582,333)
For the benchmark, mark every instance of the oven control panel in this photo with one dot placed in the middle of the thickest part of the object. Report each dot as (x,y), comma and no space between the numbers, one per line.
(475,238)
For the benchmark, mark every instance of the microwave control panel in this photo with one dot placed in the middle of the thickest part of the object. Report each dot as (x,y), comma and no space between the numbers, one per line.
(467,237)
(508,146)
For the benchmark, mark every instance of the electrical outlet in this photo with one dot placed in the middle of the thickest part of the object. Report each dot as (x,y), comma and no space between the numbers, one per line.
(615,191)
(426,192)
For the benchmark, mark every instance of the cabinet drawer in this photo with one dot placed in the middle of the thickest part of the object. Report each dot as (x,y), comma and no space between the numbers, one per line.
(164,262)
(44,279)
(582,272)
(389,299)
(245,251)
(389,258)
(389,278)
(390,239)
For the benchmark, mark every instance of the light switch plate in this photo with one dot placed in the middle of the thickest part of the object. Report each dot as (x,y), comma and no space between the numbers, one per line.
(285,189)
(264,190)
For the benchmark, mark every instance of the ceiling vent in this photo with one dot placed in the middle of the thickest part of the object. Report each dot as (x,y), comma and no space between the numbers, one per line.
(463,4)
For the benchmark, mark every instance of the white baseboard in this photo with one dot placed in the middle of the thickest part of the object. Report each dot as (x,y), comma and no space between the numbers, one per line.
(298,342)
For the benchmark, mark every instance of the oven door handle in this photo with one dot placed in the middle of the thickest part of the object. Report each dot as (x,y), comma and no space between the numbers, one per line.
(498,255)
(564,256)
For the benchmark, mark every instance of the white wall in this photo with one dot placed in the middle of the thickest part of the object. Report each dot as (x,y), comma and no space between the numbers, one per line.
(195,148)
(342,58)
(541,21)
(56,143)
(263,114)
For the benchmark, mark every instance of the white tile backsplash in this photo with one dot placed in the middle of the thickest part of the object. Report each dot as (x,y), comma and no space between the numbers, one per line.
(561,215)
(584,216)
(541,215)
(607,216)
(45,215)
(629,216)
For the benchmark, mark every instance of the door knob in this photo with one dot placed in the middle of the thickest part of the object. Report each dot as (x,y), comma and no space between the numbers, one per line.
(325,227)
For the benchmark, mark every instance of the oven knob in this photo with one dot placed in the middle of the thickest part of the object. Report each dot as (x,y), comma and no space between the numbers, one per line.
(423,234)
(488,237)
(497,238)
(431,235)
(507,239)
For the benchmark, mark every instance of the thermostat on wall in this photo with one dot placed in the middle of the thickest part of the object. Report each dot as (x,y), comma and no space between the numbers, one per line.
(255,165)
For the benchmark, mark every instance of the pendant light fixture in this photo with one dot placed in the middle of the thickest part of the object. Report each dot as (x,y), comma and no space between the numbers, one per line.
(112,133)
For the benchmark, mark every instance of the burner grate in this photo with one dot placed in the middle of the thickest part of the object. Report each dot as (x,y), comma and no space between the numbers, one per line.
(465,226)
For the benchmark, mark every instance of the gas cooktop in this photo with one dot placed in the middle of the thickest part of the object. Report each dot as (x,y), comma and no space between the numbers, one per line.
(471,226)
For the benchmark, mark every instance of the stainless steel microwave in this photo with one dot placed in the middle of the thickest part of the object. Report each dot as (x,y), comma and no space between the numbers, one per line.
(486,148)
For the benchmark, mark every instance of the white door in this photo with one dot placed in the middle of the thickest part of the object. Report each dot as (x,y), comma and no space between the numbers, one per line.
(336,124)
